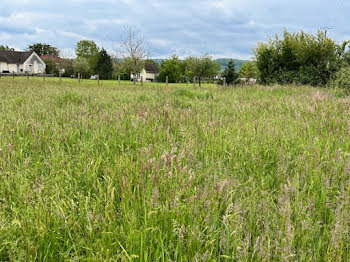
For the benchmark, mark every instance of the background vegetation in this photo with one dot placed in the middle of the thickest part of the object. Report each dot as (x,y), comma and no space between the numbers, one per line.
(300,58)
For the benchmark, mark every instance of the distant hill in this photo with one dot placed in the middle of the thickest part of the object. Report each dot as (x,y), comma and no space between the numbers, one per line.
(158,60)
(223,62)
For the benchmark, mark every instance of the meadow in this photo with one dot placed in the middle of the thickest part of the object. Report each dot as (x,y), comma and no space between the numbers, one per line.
(173,173)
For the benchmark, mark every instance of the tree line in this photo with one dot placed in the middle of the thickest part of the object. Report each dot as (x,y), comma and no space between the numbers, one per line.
(300,58)
(131,58)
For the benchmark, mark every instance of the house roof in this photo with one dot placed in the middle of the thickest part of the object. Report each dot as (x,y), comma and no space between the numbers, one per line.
(14,57)
(54,58)
(151,68)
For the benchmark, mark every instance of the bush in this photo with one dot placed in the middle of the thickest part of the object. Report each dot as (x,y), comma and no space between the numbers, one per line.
(299,58)
(342,80)
(51,67)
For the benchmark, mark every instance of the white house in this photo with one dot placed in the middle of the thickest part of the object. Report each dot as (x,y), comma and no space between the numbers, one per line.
(21,62)
(148,74)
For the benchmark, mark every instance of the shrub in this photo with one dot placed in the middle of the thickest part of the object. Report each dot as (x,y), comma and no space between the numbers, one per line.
(342,80)
(299,58)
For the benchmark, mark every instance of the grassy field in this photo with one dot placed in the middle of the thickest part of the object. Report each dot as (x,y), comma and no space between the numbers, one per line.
(172,174)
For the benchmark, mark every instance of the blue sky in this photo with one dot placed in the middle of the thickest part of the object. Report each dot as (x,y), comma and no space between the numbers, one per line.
(222,28)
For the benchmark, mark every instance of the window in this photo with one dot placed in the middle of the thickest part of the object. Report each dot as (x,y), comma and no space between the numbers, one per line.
(29,68)
(40,67)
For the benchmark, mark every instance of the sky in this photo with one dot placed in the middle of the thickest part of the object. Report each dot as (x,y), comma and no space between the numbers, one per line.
(222,28)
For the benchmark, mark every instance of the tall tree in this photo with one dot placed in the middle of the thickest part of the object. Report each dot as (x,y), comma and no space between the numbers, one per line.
(133,51)
(104,66)
(88,49)
(203,66)
(230,73)
(43,49)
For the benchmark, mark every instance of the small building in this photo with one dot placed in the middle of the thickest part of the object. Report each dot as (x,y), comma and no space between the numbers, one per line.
(21,62)
(148,74)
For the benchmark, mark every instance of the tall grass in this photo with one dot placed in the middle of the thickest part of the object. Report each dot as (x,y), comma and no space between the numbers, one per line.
(172,174)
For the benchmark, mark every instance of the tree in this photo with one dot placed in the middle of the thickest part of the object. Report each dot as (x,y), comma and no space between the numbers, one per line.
(67,66)
(81,65)
(104,66)
(52,64)
(7,48)
(133,51)
(122,68)
(249,70)
(43,49)
(203,66)
(88,49)
(230,73)
(172,68)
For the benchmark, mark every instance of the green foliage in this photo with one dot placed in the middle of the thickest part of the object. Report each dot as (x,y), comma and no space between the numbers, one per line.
(130,65)
(104,66)
(2,47)
(43,49)
(223,62)
(67,65)
(249,70)
(203,66)
(176,174)
(172,68)
(119,69)
(51,66)
(81,65)
(88,49)
(341,80)
(298,58)
(230,73)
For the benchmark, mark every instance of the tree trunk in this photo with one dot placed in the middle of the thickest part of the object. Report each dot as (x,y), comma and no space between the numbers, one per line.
(199,82)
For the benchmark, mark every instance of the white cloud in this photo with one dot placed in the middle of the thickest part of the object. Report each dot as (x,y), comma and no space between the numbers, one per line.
(72,35)
(160,42)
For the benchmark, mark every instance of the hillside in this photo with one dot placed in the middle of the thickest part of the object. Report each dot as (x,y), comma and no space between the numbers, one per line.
(223,62)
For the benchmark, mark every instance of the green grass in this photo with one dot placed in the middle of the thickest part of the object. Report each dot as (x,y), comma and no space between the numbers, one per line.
(103,83)
(172,174)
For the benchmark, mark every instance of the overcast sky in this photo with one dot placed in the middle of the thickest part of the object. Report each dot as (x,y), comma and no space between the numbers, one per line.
(223,28)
